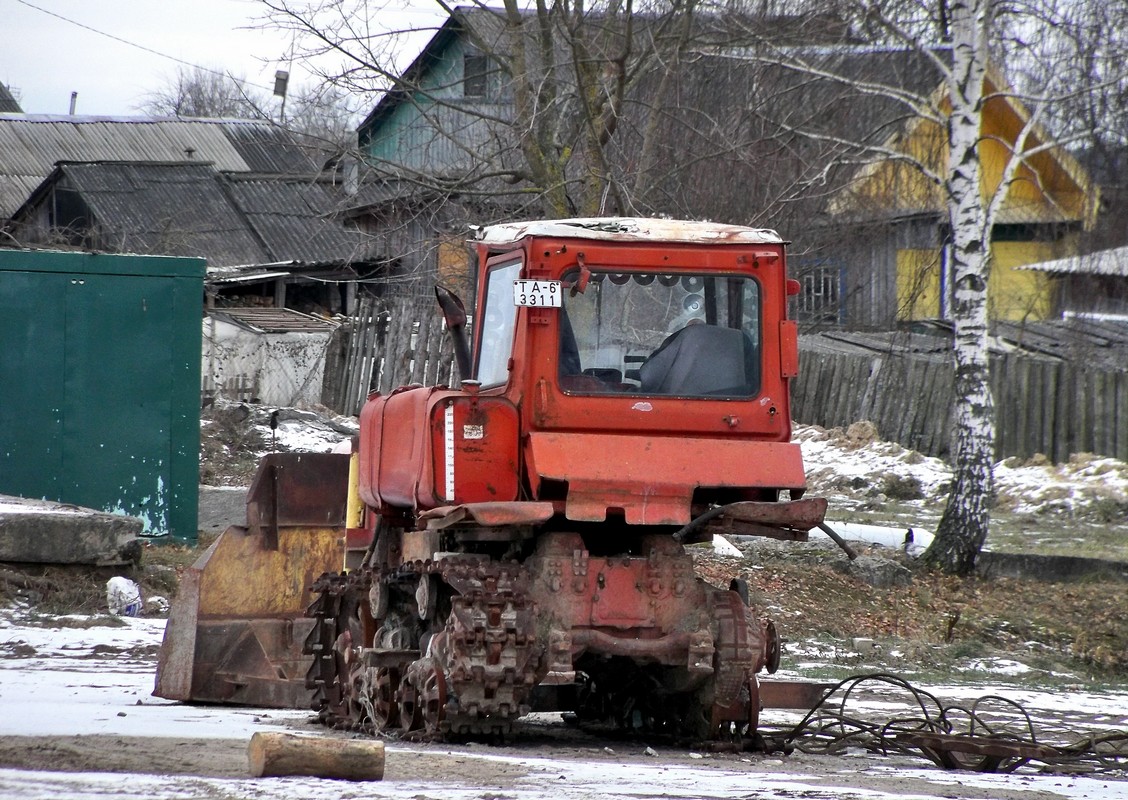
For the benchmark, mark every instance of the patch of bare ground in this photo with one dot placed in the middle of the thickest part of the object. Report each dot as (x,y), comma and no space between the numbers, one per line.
(924,621)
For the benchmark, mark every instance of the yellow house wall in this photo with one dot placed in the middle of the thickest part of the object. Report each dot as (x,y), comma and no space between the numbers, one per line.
(1019,295)
(1041,191)
(918,284)
(1015,295)
(454,267)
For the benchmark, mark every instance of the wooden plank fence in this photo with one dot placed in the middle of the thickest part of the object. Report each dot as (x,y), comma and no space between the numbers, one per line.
(1056,408)
(385,345)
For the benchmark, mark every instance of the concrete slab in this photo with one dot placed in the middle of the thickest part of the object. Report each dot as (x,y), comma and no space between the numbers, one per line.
(222,507)
(42,532)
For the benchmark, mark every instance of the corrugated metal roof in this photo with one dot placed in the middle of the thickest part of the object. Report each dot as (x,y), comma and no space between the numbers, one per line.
(1112,263)
(31,144)
(171,209)
(268,148)
(189,209)
(1099,344)
(275,320)
(294,218)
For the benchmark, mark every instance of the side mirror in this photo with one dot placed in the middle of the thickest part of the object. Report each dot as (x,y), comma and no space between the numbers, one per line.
(454,313)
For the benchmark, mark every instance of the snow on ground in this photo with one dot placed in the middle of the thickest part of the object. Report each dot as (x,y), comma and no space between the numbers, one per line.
(101,680)
(838,459)
(96,680)
(23,505)
(557,780)
(1041,487)
(307,431)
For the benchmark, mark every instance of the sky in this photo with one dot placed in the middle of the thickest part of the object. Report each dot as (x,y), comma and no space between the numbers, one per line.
(44,57)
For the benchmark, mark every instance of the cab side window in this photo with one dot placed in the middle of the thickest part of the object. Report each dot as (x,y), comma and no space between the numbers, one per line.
(498,320)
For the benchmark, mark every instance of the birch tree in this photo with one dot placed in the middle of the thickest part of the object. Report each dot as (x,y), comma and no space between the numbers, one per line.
(964,525)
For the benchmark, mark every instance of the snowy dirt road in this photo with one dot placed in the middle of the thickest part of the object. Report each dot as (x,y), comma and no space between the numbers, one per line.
(77,720)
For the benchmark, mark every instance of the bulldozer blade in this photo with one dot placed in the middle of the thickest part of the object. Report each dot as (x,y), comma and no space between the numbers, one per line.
(236,628)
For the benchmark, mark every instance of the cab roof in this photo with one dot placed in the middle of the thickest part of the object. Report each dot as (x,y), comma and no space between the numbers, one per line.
(628,229)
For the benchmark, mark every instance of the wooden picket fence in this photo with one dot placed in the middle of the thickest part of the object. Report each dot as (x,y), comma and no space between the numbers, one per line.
(1049,406)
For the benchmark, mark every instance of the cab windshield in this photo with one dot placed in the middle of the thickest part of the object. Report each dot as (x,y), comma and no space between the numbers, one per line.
(667,333)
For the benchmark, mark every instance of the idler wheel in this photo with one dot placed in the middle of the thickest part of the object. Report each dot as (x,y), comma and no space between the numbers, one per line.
(407,698)
(385,709)
(427,596)
(378,598)
(423,697)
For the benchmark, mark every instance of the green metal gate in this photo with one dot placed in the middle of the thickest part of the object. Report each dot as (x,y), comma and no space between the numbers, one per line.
(100,383)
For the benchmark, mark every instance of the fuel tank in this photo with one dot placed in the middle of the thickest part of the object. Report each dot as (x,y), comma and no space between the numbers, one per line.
(422,448)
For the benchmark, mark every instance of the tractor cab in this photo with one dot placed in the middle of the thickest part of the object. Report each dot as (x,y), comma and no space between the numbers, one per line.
(600,319)
(640,346)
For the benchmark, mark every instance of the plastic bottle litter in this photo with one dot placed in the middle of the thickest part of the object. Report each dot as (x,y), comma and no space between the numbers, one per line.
(123,597)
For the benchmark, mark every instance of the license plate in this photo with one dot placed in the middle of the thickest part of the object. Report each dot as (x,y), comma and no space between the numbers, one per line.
(536,293)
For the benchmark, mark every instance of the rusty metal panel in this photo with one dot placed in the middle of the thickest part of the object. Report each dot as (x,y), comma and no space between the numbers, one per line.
(779,693)
(474,446)
(489,514)
(653,478)
(788,349)
(237,626)
(299,489)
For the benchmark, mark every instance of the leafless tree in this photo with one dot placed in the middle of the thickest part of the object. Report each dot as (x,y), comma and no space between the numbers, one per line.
(323,115)
(1074,52)
(549,96)
(319,114)
(200,92)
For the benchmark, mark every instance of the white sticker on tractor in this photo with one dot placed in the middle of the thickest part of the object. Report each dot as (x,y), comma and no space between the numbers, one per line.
(448,443)
(473,431)
(536,293)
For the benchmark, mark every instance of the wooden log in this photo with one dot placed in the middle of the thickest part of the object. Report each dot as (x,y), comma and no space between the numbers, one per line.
(279,754)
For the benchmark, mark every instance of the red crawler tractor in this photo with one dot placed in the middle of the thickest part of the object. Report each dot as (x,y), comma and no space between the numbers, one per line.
(521,537)
(627,395)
